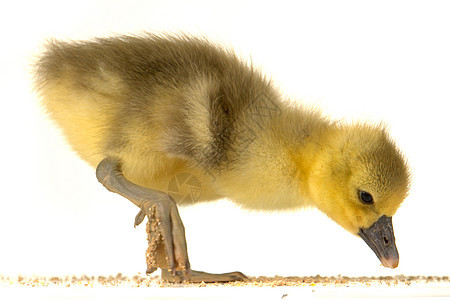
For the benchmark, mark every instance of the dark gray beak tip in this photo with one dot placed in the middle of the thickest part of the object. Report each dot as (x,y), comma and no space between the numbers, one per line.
(380,238)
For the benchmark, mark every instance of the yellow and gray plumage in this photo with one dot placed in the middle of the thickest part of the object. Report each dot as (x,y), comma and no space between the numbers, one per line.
(146,108)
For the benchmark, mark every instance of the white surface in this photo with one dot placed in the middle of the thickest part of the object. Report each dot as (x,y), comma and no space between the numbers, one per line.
(207,293)
(384,60)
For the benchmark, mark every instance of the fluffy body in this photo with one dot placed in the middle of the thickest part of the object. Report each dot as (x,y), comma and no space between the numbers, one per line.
(167,105)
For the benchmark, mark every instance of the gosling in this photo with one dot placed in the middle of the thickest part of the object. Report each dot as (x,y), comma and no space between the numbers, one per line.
(144,109)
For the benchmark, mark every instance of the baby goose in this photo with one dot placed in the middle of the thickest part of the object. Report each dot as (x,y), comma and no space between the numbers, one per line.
(142,109)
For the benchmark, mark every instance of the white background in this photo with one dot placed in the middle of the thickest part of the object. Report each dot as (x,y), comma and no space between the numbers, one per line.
(384,61)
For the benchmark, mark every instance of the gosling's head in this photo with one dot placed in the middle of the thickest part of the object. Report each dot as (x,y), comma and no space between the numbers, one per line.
(360,182)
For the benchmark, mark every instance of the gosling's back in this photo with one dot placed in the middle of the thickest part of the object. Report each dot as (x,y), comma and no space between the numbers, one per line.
(161,104)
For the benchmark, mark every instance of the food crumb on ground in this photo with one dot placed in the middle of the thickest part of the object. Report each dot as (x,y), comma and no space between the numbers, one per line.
(120,280)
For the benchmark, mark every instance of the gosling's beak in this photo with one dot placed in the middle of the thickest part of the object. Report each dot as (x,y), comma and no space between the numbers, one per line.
(380,238)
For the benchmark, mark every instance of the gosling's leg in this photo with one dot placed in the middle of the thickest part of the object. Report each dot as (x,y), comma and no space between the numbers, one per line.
(154,204)
(171,255)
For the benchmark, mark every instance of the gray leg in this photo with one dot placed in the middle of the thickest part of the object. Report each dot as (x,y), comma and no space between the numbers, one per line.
(148,200)
(171,255)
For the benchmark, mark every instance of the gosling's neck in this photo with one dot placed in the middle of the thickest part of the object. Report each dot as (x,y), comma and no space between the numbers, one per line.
(309,140)
(273,172)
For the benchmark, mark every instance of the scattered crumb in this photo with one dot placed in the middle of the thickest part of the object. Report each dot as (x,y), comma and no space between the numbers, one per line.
(293,281)
(155,255)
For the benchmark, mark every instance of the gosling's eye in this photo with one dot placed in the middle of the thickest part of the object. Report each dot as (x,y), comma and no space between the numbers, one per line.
(365,197)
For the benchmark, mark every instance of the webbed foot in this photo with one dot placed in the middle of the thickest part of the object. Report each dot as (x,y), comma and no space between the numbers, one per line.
(198,276)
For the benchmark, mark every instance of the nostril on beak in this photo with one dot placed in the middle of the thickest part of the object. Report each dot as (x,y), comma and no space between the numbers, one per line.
(386,241)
